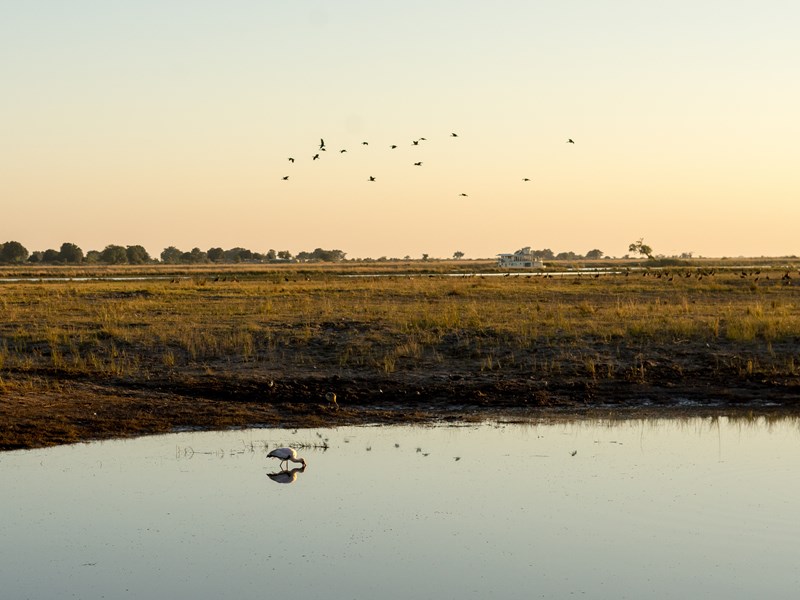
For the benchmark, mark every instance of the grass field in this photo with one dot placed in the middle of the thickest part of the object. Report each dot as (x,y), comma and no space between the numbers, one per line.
(252,342)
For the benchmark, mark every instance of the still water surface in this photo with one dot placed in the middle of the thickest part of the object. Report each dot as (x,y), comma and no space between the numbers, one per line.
(694,508)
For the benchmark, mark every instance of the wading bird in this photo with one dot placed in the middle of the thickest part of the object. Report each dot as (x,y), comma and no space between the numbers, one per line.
(285,455)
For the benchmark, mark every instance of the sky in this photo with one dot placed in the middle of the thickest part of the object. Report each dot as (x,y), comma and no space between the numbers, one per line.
(170,123)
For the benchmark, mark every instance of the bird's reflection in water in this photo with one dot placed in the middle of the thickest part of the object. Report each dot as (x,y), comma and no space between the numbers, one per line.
(286,476)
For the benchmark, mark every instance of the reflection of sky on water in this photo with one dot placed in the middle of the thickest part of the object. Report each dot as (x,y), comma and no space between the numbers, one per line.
(654,509)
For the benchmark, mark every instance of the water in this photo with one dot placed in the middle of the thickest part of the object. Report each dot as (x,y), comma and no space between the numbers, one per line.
(642,509)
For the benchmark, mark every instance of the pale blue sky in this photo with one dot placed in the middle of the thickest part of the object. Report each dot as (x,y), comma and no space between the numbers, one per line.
(170,123)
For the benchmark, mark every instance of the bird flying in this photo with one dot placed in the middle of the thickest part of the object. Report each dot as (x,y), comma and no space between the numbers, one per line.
(570,141)
(315,157)
(286,178)
(453,135)
(418,164)
(321,144)
(371,178)
(291,159)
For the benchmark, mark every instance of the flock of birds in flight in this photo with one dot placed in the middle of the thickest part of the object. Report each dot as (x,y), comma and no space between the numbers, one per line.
(323,148)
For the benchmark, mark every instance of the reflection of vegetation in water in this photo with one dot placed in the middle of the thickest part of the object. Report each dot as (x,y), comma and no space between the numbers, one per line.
(633,427)
(256,447)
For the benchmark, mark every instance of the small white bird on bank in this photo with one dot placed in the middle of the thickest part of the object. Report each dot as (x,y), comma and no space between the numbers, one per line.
(285,455)
(331,398)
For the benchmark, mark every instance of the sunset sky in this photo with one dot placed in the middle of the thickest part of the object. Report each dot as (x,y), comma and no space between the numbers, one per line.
(170,122)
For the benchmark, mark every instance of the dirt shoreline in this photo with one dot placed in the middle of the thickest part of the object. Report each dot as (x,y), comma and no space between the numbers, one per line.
(81,411)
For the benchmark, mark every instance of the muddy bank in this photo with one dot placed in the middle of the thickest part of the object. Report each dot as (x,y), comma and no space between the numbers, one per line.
(79,410)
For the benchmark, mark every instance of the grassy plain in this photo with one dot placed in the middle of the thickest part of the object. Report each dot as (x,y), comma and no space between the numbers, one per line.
(223,346)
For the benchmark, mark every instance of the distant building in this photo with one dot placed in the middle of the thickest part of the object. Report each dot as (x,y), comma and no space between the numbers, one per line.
(521,259)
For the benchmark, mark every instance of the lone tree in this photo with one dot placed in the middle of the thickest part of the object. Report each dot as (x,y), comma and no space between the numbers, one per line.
(458,255)
(641,248)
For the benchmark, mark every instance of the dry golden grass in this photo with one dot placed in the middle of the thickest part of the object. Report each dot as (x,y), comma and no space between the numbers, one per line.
(200,326)
(141,329)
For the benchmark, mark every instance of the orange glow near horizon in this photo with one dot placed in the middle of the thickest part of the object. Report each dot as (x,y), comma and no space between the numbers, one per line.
(162,126)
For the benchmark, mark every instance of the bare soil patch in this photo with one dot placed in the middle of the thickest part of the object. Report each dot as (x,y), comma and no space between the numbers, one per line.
(83,411)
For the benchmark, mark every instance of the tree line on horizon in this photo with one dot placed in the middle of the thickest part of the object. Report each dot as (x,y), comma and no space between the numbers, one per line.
(13,252)
(547,254)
